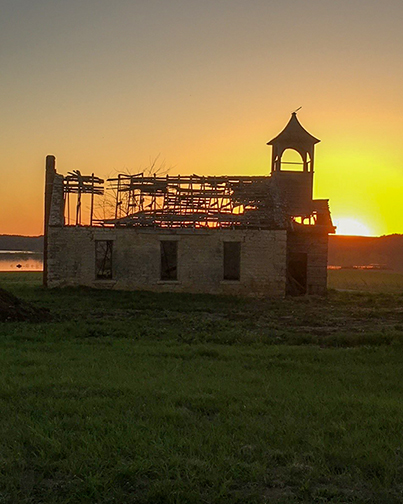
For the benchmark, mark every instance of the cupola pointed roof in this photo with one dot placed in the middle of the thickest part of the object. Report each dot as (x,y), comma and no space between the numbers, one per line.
(294,132)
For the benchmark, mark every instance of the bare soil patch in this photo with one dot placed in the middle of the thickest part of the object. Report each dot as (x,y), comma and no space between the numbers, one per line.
(14,309)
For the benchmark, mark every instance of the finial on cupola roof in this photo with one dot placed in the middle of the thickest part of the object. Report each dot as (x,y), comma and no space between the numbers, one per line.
(294,136)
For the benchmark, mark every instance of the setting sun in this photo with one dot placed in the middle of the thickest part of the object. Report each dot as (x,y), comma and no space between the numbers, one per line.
(351,227)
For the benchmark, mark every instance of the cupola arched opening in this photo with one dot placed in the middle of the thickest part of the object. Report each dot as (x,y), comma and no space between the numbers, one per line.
(291,160)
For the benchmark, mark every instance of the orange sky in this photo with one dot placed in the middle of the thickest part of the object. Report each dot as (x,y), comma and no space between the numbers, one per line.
(108,86)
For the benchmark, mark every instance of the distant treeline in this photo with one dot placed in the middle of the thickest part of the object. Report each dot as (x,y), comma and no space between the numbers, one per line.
(344,251)
(16,242)
(350,251)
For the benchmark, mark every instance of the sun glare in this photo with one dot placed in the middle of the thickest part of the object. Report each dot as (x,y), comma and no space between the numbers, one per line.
(351,227)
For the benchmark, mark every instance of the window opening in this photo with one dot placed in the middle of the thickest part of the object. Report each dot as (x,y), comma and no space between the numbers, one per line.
(103,259)
(169,260)
(232,260)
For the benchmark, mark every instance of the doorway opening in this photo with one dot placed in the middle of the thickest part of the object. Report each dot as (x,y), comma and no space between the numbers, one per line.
(297,274)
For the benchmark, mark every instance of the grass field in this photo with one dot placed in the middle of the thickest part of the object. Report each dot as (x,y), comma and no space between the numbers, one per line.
(365,280)
(130,397)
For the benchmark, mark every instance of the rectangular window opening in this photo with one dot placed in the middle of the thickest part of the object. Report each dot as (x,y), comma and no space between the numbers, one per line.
(169,260)
(103,259)
(232,260)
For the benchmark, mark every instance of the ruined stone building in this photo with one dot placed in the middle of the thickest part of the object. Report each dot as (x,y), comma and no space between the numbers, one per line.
(262,235)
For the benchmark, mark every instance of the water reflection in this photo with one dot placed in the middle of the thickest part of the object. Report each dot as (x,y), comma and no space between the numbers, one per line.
(21,260)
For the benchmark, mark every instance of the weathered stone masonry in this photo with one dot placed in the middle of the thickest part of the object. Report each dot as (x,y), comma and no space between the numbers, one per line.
(136,260)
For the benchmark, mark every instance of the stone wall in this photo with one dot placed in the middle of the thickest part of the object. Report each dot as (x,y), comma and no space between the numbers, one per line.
(136,259)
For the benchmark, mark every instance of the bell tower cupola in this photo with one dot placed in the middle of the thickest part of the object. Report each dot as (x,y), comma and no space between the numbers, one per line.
(294,178)
(294,136)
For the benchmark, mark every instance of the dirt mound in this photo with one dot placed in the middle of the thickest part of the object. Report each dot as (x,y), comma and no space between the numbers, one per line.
(15,309)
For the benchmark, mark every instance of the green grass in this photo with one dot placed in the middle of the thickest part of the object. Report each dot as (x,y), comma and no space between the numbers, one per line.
(365,280)
(158,398)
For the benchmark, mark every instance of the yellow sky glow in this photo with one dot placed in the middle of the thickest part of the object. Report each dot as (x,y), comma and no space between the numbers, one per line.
(108,86)
(351,227)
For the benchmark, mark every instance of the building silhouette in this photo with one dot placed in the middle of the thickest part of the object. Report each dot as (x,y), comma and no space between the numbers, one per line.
(263,236)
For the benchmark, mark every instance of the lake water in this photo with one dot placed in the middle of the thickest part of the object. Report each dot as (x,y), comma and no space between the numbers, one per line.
(21,260)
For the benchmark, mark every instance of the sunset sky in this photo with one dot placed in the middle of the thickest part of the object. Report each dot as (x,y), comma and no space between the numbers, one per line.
(107,86)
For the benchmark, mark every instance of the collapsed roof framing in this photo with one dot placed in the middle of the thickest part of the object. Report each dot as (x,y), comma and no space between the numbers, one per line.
(194,201)
(282,200)
(76,183)
(188,201)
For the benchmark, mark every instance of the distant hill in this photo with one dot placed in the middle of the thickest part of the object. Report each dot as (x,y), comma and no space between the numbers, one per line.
(16,242)
(362,251)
